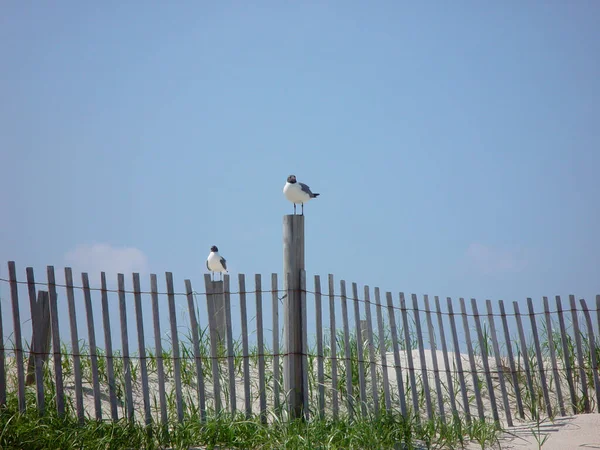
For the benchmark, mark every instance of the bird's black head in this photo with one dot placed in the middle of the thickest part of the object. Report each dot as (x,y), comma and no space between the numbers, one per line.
(214,248)
(291,179)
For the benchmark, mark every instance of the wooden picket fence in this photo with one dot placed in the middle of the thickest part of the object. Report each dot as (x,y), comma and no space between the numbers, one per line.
(384,355)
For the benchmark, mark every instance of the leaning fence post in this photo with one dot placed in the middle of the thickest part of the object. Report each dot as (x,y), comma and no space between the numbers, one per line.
(293,263)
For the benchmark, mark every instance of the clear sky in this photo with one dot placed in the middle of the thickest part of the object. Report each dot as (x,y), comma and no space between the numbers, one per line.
(455,146)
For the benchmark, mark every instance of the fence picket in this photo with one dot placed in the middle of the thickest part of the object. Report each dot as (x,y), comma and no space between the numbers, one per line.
(320,368)
(160,370)
(92,341)
(433,347)
(450,383)
(201,389)
(56,355)
(538,357)
(2,363)
(566,355)
(525,354)
(360,353)
(383,355)
(276,346)
(347,353)
(499,367)
(372,360)
(245,357)
(582,374)
(74,344)
(36,346)
(397,364)
(260,343)
(14,294)
(333,350)
(458,359)
(411,369)
(305,393)
(230,354)
(110,369)
(593,355)
(424,374)
(485,361)
(137,297)
(511,360)
(471,353)
(552,349)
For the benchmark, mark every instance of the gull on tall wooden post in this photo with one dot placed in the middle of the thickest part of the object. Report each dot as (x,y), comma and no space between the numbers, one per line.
(216,301)
(297,192)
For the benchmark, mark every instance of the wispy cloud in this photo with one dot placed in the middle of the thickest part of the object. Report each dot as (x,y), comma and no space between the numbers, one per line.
(96,258)
(493,260)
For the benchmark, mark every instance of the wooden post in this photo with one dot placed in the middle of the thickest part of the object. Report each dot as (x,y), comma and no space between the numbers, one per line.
(293,263)
(217,306)
(41,345)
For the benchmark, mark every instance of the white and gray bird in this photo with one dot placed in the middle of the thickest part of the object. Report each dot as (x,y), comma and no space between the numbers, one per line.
(297,192)
(215,262)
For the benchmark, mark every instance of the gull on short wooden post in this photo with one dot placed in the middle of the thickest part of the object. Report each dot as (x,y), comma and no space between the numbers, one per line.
(293,264)
(216,301)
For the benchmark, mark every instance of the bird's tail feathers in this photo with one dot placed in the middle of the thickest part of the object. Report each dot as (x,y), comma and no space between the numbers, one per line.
(315,195)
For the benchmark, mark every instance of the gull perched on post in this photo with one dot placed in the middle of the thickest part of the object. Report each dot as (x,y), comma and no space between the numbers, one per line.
(297,192)
(215,262)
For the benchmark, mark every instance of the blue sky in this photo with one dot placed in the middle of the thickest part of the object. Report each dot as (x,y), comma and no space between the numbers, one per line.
(456,148)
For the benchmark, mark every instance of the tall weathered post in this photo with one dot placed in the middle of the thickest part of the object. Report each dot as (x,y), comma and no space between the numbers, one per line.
(293,263)
(216,307)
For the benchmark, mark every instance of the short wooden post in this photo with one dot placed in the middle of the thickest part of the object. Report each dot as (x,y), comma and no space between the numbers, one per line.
(217,306)
(41,345)
(293,263)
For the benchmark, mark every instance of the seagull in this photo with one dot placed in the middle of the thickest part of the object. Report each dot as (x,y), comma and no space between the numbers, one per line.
(297,192)
(215,262)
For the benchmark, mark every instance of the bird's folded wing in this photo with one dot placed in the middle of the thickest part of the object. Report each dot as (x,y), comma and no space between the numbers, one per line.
(223,263)
(305,188)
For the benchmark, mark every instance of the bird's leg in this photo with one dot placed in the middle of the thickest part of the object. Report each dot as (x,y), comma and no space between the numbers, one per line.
(302,209)
(294,209)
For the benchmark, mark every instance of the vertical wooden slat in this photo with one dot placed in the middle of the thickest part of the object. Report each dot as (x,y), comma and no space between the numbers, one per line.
(511,360)
(411,369)
(433,347)
(524,352)
(538,357)
(14,294)
(333,349)
(383,355)
(499,369)
(486,364)
(2,363)
(197,357)
(230,354)
(320,368)
(213,341)
(137,296)
(397,365)
(160,370)
(459,366)
(35,307)
(125,344)
(112,394)
(245,360)
(74,344)
(347,354)
(305,369)
(260,343)
(552,349)
(471,354)
(567,361)
(580,363)
(450,383)
(56,356)
(593,355)
(276,346)
(93,350)
(424,373)
(175,345)
(359,349)
(372,360)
